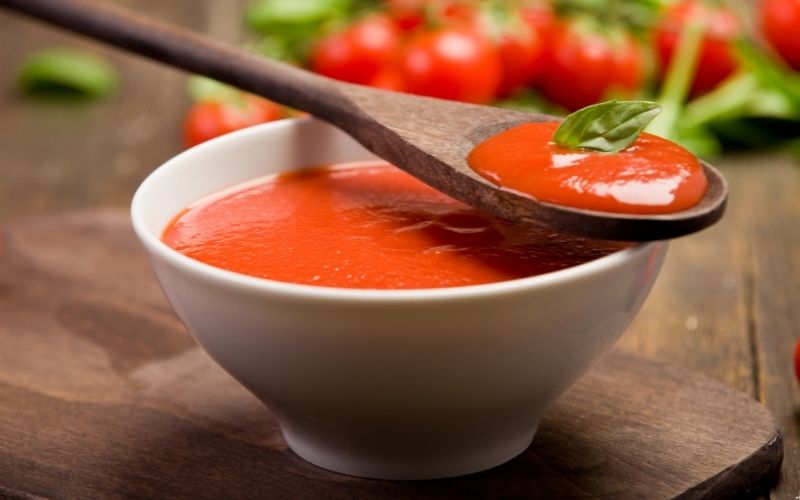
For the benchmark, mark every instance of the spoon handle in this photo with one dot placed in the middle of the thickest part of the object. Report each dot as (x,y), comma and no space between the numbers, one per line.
(184,49)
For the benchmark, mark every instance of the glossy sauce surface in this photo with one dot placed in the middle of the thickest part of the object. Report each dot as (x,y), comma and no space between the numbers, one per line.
(651,176)
(366,226)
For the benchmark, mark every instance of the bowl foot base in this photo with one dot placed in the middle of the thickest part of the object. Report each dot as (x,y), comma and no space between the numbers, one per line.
(424,465)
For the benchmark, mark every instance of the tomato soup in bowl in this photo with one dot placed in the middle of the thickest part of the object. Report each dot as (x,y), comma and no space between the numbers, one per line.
(394,333)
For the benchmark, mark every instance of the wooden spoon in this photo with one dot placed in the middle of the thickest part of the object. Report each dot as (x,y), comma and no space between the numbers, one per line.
(429,138)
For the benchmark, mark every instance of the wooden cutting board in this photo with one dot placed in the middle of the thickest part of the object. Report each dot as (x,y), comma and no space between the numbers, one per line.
(103,394)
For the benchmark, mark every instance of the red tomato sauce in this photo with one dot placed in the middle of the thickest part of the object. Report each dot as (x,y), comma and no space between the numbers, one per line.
(651,176)
(366,226)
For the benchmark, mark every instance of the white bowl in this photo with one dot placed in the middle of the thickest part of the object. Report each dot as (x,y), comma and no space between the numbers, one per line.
(394,384)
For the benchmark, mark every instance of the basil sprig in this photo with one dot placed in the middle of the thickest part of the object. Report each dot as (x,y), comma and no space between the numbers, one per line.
(609,126)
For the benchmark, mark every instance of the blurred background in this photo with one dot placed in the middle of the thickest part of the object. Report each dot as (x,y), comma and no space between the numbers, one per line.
(725,73)
(81,125)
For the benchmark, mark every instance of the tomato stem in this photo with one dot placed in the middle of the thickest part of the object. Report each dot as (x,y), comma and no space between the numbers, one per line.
(680,74)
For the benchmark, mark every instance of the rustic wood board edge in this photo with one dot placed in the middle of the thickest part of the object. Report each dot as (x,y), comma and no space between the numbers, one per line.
(732,483)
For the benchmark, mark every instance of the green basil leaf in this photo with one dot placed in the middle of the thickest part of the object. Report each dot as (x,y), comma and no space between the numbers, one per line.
(65,71)
(609,126)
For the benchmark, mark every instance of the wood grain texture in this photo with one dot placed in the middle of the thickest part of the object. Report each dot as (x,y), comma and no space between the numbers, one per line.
(105,395)
(698,312)
(773,231)
(727,302)
(429,138)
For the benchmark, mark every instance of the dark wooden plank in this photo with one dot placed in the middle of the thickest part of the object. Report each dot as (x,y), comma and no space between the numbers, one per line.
(105,395)
(727,301)
(770,188)
(696,315)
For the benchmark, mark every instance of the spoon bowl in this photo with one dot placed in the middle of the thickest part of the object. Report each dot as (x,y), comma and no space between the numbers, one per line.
(437,154)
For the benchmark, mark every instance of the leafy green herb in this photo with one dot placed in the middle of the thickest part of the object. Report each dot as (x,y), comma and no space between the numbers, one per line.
(757,107)
(202,88)
(610,126)
(773,75)
(281,16)
(679,77)
(638,15)
(67,72)
(701,141)
(287,29)
(289,49)
(527,99)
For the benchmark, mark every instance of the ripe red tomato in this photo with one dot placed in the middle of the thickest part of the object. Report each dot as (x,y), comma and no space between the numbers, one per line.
(388,78)
(522,49)
(540,16)
(584,65)
(456,63)
(411,14)
(780,23)
(797,360)
(406,14)
(357,53)
(208,119)
(717,58)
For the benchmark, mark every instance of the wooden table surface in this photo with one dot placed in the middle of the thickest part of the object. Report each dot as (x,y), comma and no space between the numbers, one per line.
(727,303)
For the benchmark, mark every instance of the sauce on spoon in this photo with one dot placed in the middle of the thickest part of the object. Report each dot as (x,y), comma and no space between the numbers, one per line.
(597,160)
(651,176)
